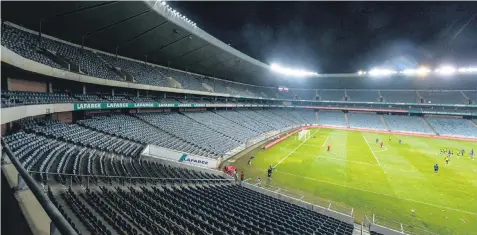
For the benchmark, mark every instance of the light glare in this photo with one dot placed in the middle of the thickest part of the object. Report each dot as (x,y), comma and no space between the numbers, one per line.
(292,72)
(446,70)
(381,72)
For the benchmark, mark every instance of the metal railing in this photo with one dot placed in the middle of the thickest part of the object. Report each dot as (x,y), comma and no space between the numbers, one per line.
(395,226)
(56,217)
(131,179)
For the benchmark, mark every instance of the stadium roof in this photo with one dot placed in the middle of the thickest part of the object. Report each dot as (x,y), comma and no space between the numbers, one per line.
(139,30)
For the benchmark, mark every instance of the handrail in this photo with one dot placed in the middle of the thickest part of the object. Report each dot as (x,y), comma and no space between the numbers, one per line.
(126,177)
(56,217)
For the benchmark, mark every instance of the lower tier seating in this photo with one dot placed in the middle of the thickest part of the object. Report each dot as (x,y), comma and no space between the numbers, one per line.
(407,123)
(192,209)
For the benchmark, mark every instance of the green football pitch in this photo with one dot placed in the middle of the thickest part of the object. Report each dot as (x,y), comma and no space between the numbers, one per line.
(389,182)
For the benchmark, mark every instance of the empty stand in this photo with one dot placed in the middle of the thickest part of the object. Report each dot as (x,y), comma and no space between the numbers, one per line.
(453,126)
(366,120)
(332,118)
(407,124)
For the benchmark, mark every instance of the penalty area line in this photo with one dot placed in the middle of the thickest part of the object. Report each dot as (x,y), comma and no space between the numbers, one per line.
(325,141)
(383,194)
(297,147)
(374,155)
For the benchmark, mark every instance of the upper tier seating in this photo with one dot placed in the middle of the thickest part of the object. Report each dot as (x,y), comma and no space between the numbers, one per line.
(332,118)
(141,72)
(305,94)
(335,95)
(472,95)
(88,98)
(100,65)
(187,81)
(89,62)
(16,98)
(447,97)
(453,126)
(25,44)
(365,120)
(400,96)
(117,99)
(407,123)
(363,96)
(143,99)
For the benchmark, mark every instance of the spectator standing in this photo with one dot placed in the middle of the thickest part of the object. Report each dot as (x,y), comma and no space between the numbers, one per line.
(235,177)
(242,176)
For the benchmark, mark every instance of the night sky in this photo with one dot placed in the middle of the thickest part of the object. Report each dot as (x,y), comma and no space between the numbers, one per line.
(339,37)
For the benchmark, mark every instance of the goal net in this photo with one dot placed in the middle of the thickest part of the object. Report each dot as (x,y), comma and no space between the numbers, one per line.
(303,135)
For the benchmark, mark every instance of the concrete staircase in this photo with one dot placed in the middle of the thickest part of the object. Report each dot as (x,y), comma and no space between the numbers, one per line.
(207,87)
(430,126)
(317,118)
(346,118)
(473,122)
(385,123)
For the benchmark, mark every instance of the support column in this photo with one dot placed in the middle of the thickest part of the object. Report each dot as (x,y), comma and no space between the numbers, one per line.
(112,92)
(84,89)
(50,87)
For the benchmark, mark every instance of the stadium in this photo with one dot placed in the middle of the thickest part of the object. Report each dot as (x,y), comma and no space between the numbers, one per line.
(126,117)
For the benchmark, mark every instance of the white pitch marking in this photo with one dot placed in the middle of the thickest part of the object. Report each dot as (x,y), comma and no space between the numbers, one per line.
(383,194)
(325,141)
(283,159)
(372,151)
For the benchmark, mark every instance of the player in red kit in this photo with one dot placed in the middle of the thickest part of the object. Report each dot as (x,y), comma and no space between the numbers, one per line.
(329,148)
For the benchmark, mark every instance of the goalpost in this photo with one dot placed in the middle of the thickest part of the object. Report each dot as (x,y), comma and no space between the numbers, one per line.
(303,135)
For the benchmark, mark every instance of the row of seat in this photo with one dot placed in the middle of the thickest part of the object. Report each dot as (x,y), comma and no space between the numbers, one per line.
(189,209)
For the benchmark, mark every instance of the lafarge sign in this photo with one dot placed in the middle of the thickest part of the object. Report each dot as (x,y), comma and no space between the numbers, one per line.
(191,160)
(92,106)
(160,152)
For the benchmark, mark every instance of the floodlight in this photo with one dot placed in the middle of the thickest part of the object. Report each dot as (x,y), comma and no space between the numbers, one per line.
(381,72)
(163,3)
(420,71)
(446,70)
(467,70)
(291,72)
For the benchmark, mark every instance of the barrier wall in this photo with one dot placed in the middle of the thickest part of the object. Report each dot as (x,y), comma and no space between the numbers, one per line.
(16,113)
(154,151)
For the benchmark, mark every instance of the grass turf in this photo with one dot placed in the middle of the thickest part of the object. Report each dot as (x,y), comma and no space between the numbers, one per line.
(388,181)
